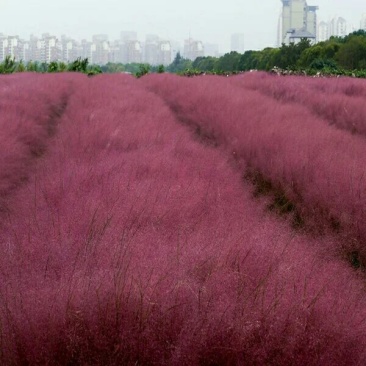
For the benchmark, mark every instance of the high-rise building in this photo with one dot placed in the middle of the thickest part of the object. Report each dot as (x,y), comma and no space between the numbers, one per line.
(71,49)
(34,49)
(237,42)
(151,49)
(115,51)
(13,47)
(88,50)
(151,52)
(101,49)
(3,46)
(279,31)
(323,31)
(311,20)
(337,27)
(176,48)
(45,49)
(130,48)
(134,52)
(298,17)
(164,55)
(50,48)
(193,49)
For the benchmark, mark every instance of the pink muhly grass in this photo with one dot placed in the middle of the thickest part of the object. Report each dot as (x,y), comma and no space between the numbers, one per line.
(133,244)
(30,108)
(319,168)
(339,101)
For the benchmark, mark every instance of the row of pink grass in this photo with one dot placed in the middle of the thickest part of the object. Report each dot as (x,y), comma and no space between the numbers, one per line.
(134,244)
(339,101)
(321,169)
(28,118)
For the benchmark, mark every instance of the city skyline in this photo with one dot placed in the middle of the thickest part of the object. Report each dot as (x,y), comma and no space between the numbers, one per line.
(130,48)
(81,19)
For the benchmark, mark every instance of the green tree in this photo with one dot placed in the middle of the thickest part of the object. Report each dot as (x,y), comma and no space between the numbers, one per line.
(143,70)
(94,70)
(177,60)
(229,62)
(32,66)
(132,68)
(43,67)
(360,32)
(352,54)
(290,54)
(79,65)
(62,67)
(207,63)
(267,58)
(53,67)
(179,64)
(309,55)
(20,67)
(330,49)
(323,64)
(113,67)
(8,66)
(248,60)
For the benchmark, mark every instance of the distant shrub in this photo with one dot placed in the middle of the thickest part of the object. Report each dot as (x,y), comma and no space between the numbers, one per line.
(321,64)
(143,70)
(80,65)
(8,66)
(53,67)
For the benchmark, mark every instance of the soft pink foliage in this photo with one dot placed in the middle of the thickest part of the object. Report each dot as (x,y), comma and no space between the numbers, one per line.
(132,243)
(321,169)
(339,101)
(28,118)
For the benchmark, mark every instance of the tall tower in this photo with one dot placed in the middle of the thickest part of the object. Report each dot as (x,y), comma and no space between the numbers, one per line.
(298,16)
(286,18)
(338,27)
(311,19)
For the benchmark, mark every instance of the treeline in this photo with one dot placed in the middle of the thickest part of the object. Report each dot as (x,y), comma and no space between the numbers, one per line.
(10,65)
(338,55)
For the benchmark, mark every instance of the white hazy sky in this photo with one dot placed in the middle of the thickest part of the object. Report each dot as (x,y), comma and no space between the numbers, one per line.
(205,20)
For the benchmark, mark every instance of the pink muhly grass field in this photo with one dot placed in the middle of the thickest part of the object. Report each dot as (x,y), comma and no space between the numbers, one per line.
(320,169)
(134,242)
